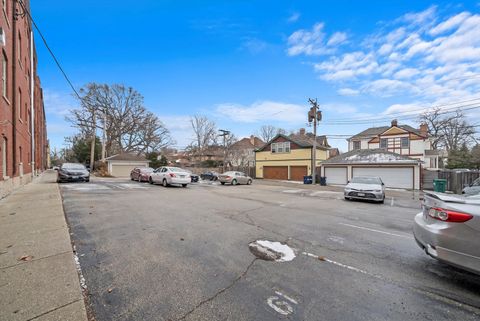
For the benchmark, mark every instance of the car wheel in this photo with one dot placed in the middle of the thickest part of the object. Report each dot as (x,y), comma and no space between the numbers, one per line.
(223,183)
(234,182)
(150,180)
(249,182)
(347,198)
(164,182)
(184,185)
(131,178)
(87,180)
(382,201)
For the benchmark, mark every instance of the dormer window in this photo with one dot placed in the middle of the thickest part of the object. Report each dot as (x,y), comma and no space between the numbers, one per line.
(281,147)
(356,145)
(405,142)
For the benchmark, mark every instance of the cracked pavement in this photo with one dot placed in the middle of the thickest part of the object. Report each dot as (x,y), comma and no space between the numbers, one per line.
(155,253)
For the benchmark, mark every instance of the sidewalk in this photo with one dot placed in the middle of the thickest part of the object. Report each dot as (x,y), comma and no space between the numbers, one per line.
(38,277)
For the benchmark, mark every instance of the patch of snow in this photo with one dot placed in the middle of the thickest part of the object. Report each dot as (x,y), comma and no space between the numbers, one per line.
(376,158)
(285,251)
(293,182)
(293,191)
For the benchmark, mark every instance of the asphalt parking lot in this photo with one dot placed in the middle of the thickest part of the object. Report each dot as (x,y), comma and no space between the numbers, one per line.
(154,253)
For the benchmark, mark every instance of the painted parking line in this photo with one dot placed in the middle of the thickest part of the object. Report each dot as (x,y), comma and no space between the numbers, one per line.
(376,231)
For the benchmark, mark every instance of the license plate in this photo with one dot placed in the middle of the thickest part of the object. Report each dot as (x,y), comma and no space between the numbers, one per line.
(361,194)
(74,177)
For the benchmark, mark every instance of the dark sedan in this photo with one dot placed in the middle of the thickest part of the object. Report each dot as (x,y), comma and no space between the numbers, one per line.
(71,172)
(210,176)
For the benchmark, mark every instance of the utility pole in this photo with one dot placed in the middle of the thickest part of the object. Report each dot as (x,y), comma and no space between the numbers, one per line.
(104,155)
(224,134)
(94,136)
(315,116)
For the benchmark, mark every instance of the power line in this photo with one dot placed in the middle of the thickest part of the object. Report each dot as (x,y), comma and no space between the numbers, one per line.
(48,48)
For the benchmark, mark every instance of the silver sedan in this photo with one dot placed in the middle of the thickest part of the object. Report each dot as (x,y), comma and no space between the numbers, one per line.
(448,229)
(234,178)
(365,187)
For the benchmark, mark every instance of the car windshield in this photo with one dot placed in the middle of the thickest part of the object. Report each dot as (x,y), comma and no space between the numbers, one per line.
(367,180)
(229,173)
(147,170)
(73,166)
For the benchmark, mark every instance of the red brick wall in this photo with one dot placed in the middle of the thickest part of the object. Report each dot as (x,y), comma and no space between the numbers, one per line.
(15,108)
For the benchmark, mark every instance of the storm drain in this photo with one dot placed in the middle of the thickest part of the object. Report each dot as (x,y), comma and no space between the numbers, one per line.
(271,251)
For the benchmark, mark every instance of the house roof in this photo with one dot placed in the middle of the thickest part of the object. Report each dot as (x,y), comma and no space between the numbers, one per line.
(375,131)
(246,143)
(371,156)
(301,140)
(127,157)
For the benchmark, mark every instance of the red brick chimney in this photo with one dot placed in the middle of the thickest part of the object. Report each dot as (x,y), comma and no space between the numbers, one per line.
(424,129)
(302,131)
(394,122)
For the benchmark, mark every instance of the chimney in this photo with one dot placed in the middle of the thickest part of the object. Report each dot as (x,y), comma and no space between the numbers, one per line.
(394,122)
(424,129)
(302,131)
(252,140)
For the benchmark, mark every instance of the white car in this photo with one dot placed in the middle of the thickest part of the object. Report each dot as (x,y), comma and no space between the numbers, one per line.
(169,175)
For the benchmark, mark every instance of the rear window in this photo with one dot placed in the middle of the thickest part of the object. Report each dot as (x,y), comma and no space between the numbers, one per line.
(146,170)
(176,169)
(73,166)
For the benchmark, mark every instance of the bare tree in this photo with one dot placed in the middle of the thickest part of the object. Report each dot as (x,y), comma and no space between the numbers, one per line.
(205,133)
(449,131)
(119,110)
(267,132)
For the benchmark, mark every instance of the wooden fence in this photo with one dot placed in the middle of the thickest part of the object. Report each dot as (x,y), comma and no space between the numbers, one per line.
(456,180)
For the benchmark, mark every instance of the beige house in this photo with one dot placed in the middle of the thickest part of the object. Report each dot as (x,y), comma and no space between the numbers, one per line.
(121,165)
(242,153)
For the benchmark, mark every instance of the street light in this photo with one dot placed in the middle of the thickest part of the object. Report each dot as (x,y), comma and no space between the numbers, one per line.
(224,134)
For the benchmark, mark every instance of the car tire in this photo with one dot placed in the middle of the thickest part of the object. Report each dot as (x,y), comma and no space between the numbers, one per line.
(234,182)
(150,180)
(348,198)
(164,183)
(131,178)
(382,201)
(184,185)
(249,182)
(87,180)
(223,183)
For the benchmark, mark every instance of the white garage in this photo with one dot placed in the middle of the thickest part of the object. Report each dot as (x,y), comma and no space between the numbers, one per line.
(395,170)
(122,164)
(336,175)
(395,177)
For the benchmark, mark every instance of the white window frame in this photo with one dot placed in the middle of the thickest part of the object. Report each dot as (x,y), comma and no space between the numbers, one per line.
(4,75)
(383,140)
(283,147)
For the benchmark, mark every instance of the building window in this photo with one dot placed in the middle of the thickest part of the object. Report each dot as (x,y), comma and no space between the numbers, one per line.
(4,75)
(405,142)
(280,147)
(356,145)
(19,104)
(20,49)
(383,142)
(4,5)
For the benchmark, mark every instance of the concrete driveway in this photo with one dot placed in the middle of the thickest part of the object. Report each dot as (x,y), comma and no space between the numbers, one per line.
(154,253)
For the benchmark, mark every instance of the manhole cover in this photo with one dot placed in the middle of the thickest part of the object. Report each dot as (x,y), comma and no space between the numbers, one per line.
(271,251)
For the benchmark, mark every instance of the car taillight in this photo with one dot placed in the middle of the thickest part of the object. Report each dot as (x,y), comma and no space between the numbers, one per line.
(172,175)
(448,216)
(228,177)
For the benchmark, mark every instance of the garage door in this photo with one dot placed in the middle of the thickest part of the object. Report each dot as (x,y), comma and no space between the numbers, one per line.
(395,177)
(297,172)
(275,172)
(336,175)
(122,170)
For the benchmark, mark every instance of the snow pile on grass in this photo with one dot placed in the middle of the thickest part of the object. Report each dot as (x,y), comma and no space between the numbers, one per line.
(272,251)
(376,158)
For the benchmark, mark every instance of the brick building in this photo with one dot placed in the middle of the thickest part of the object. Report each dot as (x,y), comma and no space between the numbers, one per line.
(23,136)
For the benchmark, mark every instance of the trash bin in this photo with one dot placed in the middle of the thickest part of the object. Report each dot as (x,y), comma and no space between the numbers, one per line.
(307,179)
(440,185)
(323,180)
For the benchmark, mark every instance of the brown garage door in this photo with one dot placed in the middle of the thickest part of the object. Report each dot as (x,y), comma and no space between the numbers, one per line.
(275,172)
(297,172)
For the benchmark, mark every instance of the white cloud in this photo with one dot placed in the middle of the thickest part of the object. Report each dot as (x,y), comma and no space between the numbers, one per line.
(348,92)
(418,54)
(58,104)
(254,45)
(312,42)
(262,110)
(294,17)
(337,38)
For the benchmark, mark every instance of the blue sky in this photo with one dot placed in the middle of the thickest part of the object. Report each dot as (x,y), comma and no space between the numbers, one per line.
(249,63)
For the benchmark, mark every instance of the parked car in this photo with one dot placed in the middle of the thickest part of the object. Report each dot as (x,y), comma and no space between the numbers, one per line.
(169,175)
(366,188)
(141,174)
(234,178)
(193,177)
(448,229)
(473,188)
(211,176)
(70,172)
